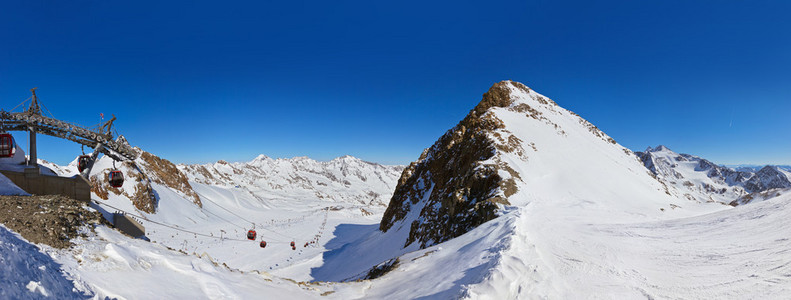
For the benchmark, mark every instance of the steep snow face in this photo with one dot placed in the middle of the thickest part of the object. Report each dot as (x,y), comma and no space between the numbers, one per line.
(698,179)
(345,179)
(515,148)
(26,273)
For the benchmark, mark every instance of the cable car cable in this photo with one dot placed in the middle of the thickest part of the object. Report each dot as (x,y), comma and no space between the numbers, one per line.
(177,228)
(240,217)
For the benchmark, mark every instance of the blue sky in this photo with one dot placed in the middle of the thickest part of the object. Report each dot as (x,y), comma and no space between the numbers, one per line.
(199,81)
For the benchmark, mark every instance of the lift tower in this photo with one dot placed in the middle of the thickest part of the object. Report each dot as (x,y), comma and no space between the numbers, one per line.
(33,109)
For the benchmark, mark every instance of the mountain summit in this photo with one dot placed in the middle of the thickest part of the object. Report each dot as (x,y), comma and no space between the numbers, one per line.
(514,148)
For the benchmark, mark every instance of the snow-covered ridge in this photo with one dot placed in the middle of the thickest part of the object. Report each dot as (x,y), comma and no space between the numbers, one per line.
(515,148)
(344,179)
(531,171)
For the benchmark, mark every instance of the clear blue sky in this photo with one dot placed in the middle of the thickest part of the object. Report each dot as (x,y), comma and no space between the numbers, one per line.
(199,81)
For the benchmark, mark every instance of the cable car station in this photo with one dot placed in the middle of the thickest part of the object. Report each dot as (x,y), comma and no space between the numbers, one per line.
(30,179)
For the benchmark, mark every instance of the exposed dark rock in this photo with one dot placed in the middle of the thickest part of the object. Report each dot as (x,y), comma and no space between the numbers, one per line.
(767,178)
(458,191)
(164,172)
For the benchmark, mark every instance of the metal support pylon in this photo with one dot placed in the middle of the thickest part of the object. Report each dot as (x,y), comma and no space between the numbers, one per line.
(87,172)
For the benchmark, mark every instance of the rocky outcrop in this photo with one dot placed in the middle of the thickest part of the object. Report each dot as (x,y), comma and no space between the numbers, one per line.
(759,196)
(457,183)
(164,172)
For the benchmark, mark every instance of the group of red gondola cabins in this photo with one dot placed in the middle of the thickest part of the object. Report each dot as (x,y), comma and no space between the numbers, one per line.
(251,236)
(8,149)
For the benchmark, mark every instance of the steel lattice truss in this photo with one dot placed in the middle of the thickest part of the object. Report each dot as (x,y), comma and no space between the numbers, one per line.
(118,149)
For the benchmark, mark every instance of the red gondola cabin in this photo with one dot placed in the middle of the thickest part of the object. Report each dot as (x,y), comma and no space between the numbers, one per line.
(7,146)
(82,162)
(116,178)
(263,244)
(251,235)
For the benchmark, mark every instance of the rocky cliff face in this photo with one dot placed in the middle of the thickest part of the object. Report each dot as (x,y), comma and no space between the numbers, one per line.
(457,182)
(164,172)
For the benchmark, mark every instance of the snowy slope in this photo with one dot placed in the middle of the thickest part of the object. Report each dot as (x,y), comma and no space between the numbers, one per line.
(738,253)
(588,220)
(109,264)
(542,252)
(226,210)
(211,230)
(28,274)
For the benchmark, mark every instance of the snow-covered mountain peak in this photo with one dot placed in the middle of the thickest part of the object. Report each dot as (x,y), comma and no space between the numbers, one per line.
(769,177)
(347,159)
(660,148)
(516,147)
(261,158)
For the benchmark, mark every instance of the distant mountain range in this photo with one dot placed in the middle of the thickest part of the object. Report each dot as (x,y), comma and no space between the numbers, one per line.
(343,179)
(701,180)
(754,168)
